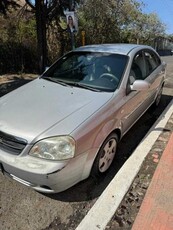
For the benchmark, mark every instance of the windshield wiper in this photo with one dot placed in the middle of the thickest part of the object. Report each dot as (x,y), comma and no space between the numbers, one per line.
(84,86)
(76,84)
(56,81)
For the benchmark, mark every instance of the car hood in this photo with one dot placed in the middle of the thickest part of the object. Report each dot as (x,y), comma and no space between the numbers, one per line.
(41,106)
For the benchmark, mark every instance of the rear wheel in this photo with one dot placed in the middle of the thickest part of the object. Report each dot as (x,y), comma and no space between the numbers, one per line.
(105,155)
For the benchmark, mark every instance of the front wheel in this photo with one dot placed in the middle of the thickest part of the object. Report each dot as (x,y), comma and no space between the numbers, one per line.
(105,155)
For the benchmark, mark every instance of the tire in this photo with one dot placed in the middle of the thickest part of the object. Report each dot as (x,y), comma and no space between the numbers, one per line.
(105,155)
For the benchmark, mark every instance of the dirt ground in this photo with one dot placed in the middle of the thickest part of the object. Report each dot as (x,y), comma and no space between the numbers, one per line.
(10,82)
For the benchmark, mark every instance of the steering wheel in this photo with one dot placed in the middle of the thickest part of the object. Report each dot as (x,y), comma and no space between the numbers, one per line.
(110,76)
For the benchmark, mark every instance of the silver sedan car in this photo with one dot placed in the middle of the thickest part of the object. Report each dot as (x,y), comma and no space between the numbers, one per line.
(58,129)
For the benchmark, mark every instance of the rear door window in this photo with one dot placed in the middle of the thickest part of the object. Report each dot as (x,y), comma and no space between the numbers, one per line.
(152,61)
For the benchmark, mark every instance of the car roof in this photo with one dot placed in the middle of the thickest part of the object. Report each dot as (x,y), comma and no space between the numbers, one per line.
(118,48)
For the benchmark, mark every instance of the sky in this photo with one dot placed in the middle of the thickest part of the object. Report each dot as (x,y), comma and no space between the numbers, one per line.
(164,10)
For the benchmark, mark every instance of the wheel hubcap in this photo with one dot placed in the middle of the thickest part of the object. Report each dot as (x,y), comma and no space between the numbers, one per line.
(107,155)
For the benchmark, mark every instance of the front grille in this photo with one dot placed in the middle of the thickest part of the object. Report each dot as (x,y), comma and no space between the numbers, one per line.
(11,143)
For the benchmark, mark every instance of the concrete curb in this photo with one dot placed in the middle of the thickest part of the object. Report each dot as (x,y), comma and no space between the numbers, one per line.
(106,205)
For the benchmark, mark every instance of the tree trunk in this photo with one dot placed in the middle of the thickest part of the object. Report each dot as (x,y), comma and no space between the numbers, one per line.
(41,33)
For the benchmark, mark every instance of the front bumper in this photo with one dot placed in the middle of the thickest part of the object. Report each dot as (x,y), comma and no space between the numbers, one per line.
(43,175)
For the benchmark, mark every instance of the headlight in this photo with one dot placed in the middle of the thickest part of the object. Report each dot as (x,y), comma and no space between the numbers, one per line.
(54,148)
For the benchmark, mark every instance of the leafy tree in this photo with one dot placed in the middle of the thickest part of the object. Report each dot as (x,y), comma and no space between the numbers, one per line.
(97,19)
(45,13)
(18,42)
(153,27)
(105,22)
(6,5)
(118,21)
(145,28)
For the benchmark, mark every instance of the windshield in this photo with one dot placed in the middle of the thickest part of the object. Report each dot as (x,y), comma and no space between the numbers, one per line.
(99,71)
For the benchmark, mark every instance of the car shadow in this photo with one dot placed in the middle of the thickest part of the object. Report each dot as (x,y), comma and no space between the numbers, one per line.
(92,188)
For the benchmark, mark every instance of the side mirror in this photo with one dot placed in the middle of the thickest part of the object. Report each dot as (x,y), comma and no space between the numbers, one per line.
(140,85)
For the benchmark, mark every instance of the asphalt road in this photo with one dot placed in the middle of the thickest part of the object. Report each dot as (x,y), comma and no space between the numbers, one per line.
(22,208)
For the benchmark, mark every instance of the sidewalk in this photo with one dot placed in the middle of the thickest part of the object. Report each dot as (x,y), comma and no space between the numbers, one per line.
(156,211)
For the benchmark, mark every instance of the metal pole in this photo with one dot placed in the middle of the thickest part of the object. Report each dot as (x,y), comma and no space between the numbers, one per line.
(83,37)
